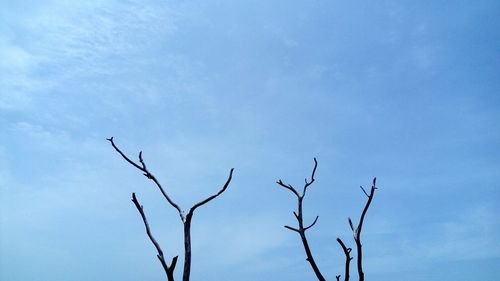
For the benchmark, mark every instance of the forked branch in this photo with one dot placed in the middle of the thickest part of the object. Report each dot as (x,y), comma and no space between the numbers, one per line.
(149,175)
(357,231)
(169,269)
(210,198)
(187,226)
(186,219)
(348,258)
(301,230)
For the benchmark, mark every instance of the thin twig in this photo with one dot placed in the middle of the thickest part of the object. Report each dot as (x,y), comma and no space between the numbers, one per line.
(210,198)
(289,187)
(292,229)
(307,184)
(364,191)
(312,224)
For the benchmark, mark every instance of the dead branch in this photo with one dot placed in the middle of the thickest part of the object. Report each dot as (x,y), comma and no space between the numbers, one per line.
(357,231)
(186,219)
(301,230)
(210,198)
(169,270)
(149,175)
(348,258)
(187,226)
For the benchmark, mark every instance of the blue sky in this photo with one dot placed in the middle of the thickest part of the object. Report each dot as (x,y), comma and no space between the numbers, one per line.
(407,91)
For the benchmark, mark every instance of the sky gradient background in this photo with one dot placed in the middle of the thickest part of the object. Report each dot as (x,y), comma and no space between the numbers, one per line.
(407,91)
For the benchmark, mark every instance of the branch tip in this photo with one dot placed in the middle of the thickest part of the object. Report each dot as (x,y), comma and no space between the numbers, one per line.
(291,228)
(312,224)
(173,263)
(350,224)
(210,198)
(364,191)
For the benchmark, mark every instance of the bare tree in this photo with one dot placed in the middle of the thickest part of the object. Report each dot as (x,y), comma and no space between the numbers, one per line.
(301,230)
(185,218)
(357,231)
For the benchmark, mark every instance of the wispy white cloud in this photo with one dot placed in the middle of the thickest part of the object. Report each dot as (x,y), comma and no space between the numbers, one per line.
(15,83)
(91,30)
(75,39)
(14,58)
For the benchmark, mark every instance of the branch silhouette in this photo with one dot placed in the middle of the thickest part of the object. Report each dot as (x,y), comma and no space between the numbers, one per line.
(185,218)
(301,230)
(348,258)
(169,270)
(357,231)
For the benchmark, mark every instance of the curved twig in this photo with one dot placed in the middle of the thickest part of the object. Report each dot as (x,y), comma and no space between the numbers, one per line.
(210,198)
(289,187)
(312,224)
(307,184)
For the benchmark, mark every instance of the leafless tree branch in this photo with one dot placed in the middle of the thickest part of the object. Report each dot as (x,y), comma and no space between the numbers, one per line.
(307,184)
(186,219)
(210,198)
(150,176)
(350,224)
(357,230)
(289,187)
(348,258)
(364,191)
(301,230)
(312,224)
(169,270)
(187,226)
(292,229)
